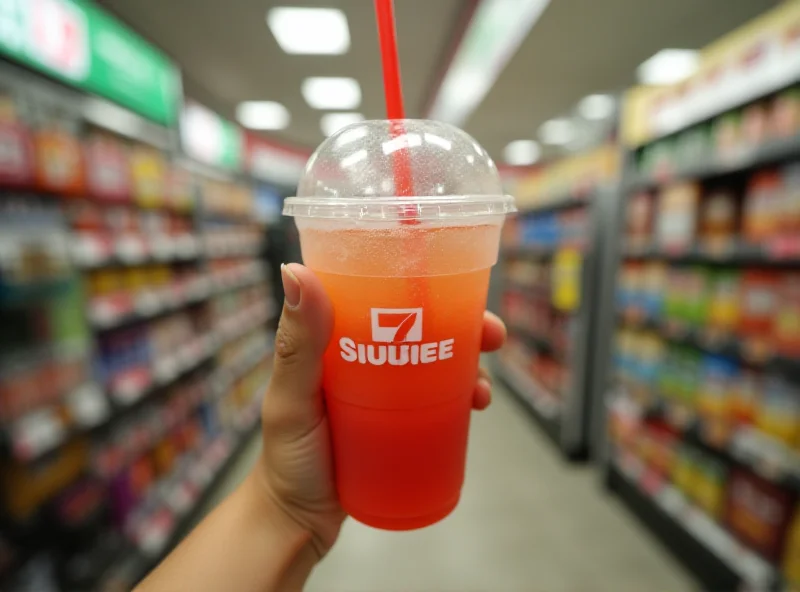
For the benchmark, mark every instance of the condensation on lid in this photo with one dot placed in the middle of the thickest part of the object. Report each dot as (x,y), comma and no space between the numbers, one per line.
(386,170)
(400,208)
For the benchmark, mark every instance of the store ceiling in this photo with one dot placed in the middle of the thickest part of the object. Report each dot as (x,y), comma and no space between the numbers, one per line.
(578,47)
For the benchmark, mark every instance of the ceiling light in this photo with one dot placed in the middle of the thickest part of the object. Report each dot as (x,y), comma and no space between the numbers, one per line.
(522,152)
(262,115)
(668,66)
(557,132)
(493,36)
(596,107)
(310,30)
(330,123)
(331,93)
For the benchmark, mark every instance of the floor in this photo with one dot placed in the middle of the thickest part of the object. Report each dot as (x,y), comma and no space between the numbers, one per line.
(527,521)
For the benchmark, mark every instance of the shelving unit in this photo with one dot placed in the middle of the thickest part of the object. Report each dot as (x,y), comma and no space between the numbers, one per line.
(549,259)
(139,311)
(703,403)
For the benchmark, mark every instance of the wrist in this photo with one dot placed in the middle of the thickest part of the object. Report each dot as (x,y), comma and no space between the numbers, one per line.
(270,513)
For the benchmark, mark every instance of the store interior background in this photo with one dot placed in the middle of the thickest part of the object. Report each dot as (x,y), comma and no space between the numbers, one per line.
(645,428)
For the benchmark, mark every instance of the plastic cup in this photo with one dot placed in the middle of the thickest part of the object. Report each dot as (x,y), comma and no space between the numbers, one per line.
(401,222)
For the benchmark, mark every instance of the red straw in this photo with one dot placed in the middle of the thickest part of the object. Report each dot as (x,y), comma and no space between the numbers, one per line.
(384,11)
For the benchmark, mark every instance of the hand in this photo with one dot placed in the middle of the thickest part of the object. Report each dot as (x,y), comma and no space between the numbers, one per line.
(296,468)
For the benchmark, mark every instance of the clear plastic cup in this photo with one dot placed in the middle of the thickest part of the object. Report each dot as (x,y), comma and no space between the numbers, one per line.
(401,221)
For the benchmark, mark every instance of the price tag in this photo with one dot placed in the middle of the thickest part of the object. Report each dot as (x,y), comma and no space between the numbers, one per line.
(148,303)
(89,250)
(131,385)
(162,248)
(131,249)
(88,405)
(166,368)
(36,433)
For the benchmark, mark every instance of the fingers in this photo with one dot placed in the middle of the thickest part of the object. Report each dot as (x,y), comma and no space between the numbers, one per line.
(494,332)
(293,400)
(482,395)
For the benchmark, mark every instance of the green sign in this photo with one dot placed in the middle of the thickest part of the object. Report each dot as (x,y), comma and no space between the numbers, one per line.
(81,45)
(211,139)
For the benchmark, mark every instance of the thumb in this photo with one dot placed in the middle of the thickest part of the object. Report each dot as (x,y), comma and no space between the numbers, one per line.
(293,403)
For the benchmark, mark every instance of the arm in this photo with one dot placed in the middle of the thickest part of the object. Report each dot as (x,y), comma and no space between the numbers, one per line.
(247,543)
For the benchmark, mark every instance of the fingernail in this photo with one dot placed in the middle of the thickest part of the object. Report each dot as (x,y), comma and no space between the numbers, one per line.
(291,287)
(485,383)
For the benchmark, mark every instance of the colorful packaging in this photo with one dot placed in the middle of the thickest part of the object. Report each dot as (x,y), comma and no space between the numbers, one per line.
(653,286)
(677,216)
(695,296)
(723,303)
(785,116)
(762,207)
(789,220)
(639,221)
(755,125)
(791,554)
(779,410)
(746,397)
(718,220)
(59,165)
(107,173)
(684,472)
(16,155)
(759,298)
(714,400)
(727,134)
(148,171)
(758,512)
(787,320)
(708,487)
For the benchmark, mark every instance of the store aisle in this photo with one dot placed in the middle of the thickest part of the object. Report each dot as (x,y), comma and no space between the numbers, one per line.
(526,521)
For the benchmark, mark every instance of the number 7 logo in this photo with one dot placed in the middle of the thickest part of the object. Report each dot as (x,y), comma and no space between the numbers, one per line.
(396,325)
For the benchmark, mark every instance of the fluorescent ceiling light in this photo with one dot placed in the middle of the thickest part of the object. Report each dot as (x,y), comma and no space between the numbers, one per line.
(310,30)
(596,107)
(262,115)
(331,93)
(493,36)
(668,66)
(330,123)
(557,132)
(522,152)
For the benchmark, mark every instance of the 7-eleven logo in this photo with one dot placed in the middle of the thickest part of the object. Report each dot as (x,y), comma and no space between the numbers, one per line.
(59,37)
(396,325)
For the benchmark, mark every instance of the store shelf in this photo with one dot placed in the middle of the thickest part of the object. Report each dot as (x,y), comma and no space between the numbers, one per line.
(544,406)
(768,153)
(529,252)
(115,311)
(43,430)
(779,252)
(229,283)
(711,552)
(728,345)
(745,445)
(566,202)
(133,385)
(93,250)
(538,342)
(227,375)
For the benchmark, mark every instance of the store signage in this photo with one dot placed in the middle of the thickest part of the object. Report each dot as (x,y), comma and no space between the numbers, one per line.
(273,163)
(210,139)
(81,45)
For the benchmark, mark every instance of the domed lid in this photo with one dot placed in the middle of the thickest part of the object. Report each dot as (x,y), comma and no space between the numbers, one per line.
(401,169)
